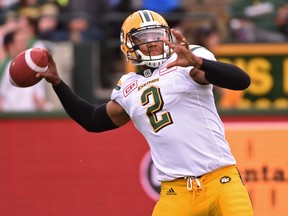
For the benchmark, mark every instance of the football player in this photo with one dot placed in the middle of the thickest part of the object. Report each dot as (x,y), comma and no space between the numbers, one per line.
(170,101)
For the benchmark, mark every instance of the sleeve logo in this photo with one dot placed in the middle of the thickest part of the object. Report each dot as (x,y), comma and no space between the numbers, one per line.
(130,88)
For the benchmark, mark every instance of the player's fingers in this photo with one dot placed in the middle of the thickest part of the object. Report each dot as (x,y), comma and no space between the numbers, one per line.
(50,58)
(185,44)
(51,67)
(167,42)
(39,75)
(180,38)
(177,35)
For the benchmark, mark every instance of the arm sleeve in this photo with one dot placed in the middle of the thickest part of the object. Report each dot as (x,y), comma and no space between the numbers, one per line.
(225,75)
(91,118)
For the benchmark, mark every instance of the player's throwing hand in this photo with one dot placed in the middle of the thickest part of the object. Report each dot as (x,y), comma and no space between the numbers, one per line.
(51,75)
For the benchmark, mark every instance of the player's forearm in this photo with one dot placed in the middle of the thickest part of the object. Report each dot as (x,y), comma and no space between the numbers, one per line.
(93,119)
(225,75)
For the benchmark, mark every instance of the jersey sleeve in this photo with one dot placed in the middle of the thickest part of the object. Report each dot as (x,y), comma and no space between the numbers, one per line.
(202,52)
(117,93)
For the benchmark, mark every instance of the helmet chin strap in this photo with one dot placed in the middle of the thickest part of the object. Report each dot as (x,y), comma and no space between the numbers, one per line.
(155,63)
(152,61)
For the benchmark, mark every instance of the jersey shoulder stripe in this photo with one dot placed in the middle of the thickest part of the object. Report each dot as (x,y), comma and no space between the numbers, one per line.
(194,47)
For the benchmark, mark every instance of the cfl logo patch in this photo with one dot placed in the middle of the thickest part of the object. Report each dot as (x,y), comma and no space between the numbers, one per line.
(130,88)
(225,179)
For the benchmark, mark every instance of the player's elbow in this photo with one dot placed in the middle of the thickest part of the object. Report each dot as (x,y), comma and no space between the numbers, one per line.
(242,82)
(92,129)
(97,128)
(247,82)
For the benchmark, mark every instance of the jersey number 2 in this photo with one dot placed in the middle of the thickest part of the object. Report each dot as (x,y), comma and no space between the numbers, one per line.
(158,118)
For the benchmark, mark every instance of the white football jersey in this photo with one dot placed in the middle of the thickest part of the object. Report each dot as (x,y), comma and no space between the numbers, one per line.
(178,118)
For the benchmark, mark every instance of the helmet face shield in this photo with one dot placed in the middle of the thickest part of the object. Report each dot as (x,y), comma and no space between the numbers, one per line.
(148,35)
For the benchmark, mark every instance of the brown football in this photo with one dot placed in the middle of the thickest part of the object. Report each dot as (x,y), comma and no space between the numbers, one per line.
(26,65)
